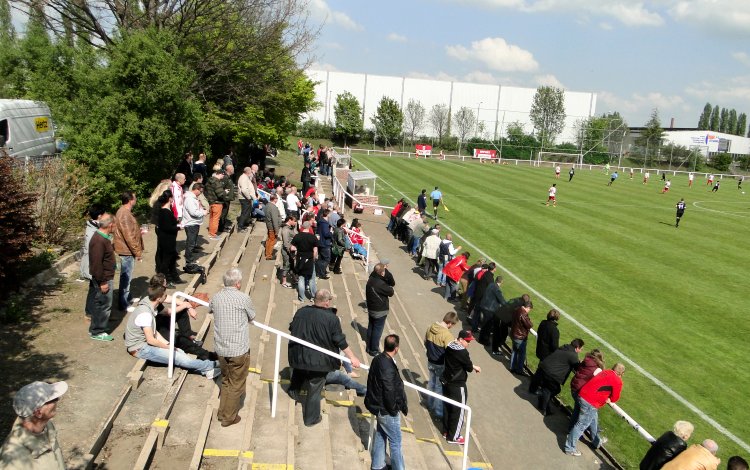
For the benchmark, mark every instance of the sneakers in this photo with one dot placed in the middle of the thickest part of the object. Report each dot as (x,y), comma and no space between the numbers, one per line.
(212,374)
(459,440)
(603,441)
(103,337)
(215,237)
(287,285)
(575,453)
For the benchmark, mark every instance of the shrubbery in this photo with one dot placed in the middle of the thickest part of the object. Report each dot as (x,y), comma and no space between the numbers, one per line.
(17,224)
(721,161)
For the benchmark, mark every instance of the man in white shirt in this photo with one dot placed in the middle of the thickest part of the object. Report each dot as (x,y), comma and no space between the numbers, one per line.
(248,194)
(192,219)
(177,195)
(293,203)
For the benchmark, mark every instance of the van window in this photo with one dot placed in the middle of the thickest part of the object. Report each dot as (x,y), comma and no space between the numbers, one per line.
(3,132)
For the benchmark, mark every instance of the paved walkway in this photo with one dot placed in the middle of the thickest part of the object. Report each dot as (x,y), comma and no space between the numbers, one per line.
(509,428)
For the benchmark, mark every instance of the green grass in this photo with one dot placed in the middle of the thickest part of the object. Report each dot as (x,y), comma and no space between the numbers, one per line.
(672,300)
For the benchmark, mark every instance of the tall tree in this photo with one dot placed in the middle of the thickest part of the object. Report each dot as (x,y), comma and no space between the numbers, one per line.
(388,121)
(547,113)
(414,114)
(732,122)
(741,124)
(464,122)
(705,119)
(439,117)
(652,134)
(723,120)
(348,114)
(715,118)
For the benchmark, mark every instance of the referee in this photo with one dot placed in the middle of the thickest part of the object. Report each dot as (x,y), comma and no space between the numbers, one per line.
(437,198)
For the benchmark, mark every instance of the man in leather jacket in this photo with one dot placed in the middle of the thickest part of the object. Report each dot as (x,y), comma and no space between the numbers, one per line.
(386,399)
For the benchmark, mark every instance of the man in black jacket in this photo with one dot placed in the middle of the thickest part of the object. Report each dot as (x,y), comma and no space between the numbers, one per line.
(378,291)
(316,324)
(492,300)
(457,366)
(553,371)
(386,399)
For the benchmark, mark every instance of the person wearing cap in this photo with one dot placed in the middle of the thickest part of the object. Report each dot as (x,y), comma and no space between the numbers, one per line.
(304,246)
(32,442)
(378,291)
(457,366)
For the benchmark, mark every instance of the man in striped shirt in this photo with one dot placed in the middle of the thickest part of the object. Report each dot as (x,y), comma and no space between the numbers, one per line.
(233,311)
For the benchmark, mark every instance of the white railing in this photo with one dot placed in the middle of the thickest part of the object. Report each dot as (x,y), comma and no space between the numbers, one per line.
(277,366)
(538,163)
(281,334)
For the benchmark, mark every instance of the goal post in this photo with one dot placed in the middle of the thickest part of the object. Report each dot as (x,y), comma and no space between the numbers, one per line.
(561,157)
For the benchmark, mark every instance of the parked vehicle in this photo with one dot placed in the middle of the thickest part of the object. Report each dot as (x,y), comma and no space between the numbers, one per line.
(26,128)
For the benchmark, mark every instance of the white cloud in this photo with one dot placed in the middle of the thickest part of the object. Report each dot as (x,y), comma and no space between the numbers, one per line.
(605,26)
(478,76)
(323,66)
(321,10)
(741,57)
(496,54)
(641,104)
(548,80)
(719,16)
(333,45)
(395,37)
(628,12)
(735,91)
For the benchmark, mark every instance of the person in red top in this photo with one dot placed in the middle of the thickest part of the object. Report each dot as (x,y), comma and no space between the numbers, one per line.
(601,389)
(392,223)
(453,271)
(299,147)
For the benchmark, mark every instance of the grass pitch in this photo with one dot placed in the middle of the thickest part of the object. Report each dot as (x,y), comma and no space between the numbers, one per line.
(671,299)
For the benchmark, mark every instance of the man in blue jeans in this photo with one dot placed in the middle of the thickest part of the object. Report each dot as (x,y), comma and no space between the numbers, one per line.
(144,342)
(520,327)
(128,245)
(386,400)
(437,338)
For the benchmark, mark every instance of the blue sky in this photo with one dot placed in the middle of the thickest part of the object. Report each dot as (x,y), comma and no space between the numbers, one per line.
(674,55)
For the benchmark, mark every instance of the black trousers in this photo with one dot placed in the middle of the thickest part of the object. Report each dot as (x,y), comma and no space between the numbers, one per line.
(324,259)
(498,329)
(312,382)
(245,213)
(223,218)
(453,416)
(191,234)
(336,262)
(547,386)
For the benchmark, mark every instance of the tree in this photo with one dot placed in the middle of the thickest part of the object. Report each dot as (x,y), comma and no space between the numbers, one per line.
(721,161)
(705,119)
(714,123)
(741,124)
(388,121)
(348,115)
(439,117)
(17,223)
(723,120)
(547,113)
(732,122)
(414,114)
(464,122)
(652,134)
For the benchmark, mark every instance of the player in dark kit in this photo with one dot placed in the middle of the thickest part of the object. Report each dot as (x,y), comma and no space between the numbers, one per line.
(680,211)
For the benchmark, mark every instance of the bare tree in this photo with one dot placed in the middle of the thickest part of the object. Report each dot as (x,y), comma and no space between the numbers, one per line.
(413,118)
(465,121)
(439,115)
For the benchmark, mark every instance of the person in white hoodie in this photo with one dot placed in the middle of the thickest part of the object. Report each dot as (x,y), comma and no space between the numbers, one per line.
(192,219)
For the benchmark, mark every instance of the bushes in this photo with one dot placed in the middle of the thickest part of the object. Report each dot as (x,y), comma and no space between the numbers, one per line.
(17,224)
(721,161)
(61,187)
(312,129)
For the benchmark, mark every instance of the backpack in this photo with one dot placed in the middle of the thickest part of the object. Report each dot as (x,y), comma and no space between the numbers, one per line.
(445,253)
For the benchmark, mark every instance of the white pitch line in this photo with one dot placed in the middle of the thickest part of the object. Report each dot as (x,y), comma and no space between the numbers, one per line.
(588,331)
(735,213)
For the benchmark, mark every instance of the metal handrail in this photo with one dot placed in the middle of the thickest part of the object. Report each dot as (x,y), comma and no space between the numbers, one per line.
(280,334)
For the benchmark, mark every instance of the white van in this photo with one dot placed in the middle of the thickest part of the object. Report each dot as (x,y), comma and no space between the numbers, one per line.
(26,128)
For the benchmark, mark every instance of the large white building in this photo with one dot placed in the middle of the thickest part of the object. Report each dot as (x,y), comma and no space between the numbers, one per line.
(706,142)
(495,105)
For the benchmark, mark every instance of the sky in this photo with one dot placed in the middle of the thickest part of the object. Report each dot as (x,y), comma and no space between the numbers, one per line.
(672,55)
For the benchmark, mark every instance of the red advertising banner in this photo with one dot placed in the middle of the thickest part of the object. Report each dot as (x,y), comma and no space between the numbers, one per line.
(485,153)
(423,150)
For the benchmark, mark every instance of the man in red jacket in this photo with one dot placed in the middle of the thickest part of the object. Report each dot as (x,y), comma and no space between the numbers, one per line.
(601,389)
(453,271)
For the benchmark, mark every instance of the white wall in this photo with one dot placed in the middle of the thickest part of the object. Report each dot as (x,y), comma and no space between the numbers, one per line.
(708,141)
(498,105)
